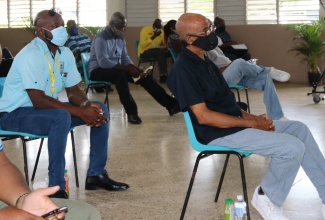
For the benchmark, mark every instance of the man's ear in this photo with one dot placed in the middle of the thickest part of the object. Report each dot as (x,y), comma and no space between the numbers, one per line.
(189,40)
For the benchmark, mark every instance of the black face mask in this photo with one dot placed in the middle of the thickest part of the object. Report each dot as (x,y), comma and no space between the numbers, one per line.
(206,43)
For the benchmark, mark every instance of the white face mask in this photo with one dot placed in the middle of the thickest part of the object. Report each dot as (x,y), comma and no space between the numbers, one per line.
(60,36)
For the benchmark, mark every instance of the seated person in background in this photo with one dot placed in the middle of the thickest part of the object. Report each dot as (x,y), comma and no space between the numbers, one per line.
(226,47)
(173,40)
(200,89)
(6,61)
(254,76)
(78,43)
(246,74)
(109,61)
(17,201)
(30,103)
(152,44)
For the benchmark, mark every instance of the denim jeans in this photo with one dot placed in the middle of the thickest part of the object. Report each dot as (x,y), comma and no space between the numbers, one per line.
(56,123)
(291,145)
(256,77)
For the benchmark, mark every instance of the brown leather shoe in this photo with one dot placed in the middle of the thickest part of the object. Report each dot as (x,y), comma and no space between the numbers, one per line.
(104,182)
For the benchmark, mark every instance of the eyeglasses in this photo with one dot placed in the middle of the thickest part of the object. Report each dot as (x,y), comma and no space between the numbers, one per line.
(205,31)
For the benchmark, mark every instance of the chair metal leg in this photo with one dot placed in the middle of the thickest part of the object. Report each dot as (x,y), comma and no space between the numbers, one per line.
(106,97)
(247,99)
(243,179)
(221,178)
(199,157)
(25,160)
(87,88)
(37,159)
(238,95)
(74,159)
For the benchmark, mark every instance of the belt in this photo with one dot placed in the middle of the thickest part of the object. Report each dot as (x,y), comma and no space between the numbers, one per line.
(3,113)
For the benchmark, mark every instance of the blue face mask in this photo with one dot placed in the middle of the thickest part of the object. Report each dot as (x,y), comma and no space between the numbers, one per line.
(59,34)
(74,31)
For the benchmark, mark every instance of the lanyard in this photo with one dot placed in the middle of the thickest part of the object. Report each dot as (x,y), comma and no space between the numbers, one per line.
(51,71)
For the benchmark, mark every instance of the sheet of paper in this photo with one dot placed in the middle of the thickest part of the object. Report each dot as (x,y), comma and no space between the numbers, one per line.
(239,46)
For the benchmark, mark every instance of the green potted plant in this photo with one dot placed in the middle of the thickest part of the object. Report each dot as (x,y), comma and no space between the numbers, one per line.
(309,46)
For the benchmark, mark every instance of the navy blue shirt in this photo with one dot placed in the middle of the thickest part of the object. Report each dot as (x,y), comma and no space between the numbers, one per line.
(193,81)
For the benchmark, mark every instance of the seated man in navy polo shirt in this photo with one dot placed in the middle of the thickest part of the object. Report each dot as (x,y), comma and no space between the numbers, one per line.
(200,89)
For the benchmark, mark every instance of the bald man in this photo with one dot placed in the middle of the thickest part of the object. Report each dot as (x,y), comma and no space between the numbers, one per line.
(30,103)
(201,90)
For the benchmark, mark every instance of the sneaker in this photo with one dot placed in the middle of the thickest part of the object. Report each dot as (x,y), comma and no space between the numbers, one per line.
(284,118)
(279,75)
(323,210)
(266,208)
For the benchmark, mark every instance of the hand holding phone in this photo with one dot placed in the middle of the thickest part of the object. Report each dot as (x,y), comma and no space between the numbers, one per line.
(55,211)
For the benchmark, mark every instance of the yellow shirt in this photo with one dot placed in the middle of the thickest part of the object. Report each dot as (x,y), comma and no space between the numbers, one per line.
(146,43)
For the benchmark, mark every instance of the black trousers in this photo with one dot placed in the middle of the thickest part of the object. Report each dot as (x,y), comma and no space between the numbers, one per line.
(121,79)
(7,59)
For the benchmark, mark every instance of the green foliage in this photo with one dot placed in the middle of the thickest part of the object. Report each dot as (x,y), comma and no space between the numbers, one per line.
(29,26)
(94,30)
(309,45)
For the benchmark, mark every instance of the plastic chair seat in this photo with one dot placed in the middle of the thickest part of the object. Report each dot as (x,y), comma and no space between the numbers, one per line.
(91,83)
(209,150)
(25,137)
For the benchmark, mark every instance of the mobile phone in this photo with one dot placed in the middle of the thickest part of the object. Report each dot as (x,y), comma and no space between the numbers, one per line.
(55,211)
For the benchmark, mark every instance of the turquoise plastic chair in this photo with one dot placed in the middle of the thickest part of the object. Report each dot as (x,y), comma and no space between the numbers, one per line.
(206,151)
(91,83)
(25,137)
(152,61)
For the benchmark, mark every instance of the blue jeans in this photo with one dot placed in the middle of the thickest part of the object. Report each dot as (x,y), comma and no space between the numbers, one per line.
(256,77)
(56,123)
(291,145)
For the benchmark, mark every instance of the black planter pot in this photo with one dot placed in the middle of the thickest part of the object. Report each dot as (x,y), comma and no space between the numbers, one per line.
(314,79)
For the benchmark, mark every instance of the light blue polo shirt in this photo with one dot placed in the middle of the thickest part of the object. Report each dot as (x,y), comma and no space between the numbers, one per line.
(30,70)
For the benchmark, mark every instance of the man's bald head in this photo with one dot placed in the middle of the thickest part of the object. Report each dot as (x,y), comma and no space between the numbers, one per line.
(43,17)
(190,23)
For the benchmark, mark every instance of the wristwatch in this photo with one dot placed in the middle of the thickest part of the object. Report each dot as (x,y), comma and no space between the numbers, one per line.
(84,103)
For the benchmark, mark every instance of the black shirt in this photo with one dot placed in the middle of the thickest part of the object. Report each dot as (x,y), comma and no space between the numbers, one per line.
(193,81)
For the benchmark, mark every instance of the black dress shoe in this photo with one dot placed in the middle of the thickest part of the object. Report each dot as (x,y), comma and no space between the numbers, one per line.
(104,182)
(174,110)
(134,119)
(62,194)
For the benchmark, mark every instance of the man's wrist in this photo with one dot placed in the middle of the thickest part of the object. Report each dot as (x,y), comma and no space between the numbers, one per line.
(85,103)
(20,199)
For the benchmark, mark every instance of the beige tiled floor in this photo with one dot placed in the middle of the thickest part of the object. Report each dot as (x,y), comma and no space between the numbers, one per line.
(155,158)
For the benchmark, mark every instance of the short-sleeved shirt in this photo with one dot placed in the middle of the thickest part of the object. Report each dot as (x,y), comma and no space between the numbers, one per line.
(80,42)
(30,70)
(193,81)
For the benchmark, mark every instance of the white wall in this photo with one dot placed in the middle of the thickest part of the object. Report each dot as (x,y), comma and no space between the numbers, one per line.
(114,6)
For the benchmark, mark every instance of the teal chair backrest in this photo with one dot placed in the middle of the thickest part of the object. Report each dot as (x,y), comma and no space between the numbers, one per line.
(196,145)
(85,59)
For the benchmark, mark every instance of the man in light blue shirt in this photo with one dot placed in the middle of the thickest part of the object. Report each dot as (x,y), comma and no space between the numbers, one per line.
(30,103)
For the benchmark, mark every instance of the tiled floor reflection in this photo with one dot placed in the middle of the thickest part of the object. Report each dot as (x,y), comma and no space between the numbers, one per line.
(155,158)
